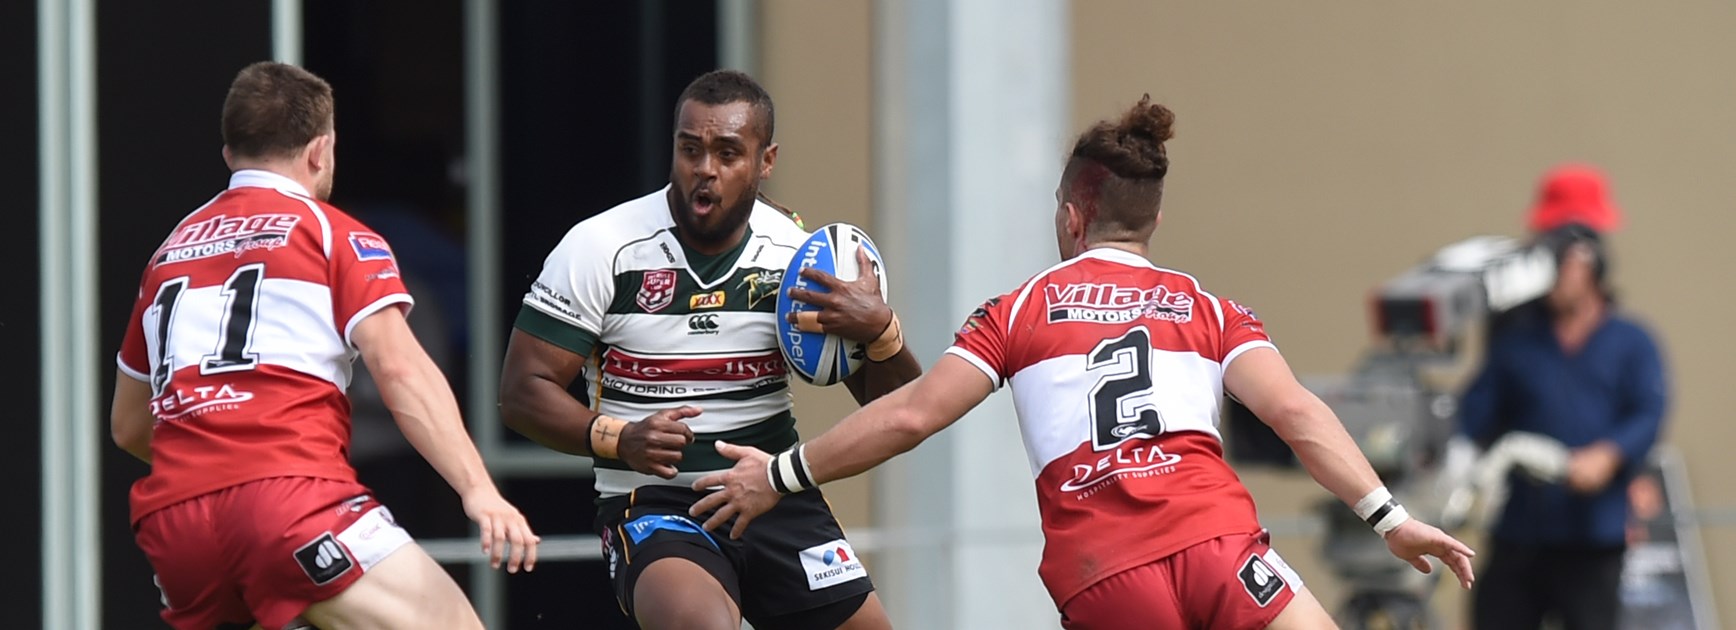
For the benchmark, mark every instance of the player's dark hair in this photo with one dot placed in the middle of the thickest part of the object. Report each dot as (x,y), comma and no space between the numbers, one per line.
(275,109)
(1115,174)
(720,87)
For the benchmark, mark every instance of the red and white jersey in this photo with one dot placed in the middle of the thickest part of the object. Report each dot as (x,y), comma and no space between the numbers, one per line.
(1117,373)
(242,330)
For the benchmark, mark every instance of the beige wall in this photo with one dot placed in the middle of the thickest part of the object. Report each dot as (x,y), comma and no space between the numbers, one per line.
(1321,150)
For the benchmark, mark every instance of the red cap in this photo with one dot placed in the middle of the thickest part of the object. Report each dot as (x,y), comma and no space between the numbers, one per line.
(1574,193)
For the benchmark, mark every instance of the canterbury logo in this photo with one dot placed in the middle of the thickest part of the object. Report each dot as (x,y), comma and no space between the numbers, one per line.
(702,324)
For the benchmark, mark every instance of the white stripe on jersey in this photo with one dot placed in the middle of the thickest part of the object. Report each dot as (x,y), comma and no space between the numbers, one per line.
(1050,399)
(298,335)
(364,312)
(325,225)
(977,361)
(1244,348)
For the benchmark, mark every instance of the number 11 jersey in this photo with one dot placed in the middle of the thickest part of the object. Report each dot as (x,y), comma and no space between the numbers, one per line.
(1117,368)
(242,329)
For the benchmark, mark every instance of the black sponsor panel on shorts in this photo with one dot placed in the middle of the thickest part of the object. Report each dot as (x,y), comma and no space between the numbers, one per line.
(324,559)
(1261,580)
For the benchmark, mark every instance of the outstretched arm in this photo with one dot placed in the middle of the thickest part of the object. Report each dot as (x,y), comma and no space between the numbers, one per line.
(893,424)
(423,405)
(1262,380)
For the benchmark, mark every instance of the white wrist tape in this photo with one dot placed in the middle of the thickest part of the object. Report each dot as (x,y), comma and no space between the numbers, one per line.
(788,471)
(1391,521)
(1375,498)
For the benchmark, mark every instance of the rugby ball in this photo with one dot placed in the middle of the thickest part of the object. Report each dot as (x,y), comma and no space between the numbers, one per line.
(817,358)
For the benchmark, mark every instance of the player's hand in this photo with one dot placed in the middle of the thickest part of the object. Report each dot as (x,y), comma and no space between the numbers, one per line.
(1414,539)
(1590,468)
(854,310)
(744,491)
(501,525)
(653,445)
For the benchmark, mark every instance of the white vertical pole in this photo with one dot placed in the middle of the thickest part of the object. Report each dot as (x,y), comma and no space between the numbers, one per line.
(286,20)
(71,486)
(482,220)
(971,118)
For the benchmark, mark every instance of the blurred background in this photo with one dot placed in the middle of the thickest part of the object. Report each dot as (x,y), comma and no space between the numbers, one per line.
(1322,149)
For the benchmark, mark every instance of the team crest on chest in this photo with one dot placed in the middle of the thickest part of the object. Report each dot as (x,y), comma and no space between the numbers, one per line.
(657,290)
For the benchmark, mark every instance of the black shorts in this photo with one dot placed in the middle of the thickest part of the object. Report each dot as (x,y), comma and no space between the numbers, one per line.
(792,562)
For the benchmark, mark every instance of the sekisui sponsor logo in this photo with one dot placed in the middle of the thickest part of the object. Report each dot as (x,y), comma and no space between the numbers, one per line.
(698,301)
(223,234)
(1131,460)
(1116,304)
(830,564)
(198,401)
(656,290)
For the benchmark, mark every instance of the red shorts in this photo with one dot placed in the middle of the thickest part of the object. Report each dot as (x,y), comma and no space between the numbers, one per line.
(1230,582)
(263,551)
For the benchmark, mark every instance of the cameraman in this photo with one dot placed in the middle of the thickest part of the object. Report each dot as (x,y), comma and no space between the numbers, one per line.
(1572,368)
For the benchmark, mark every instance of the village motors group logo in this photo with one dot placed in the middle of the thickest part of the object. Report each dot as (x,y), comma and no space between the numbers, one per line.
(223,234)
(1116,304)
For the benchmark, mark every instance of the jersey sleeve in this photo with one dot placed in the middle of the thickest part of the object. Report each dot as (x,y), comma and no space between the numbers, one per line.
(364,274)
(565,304)
(982,340)
(134,357)
(1243,331)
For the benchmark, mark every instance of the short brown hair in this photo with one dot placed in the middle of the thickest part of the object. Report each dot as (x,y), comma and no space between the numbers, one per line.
(275,109)
(1115,174)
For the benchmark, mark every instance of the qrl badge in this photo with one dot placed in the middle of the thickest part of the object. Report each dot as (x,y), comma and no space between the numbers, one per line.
(657,290)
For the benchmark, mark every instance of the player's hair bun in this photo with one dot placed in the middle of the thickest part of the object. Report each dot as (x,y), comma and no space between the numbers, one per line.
(1133,147)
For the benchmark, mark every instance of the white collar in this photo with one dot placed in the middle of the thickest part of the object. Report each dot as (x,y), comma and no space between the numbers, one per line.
(1117,255)
(257,178)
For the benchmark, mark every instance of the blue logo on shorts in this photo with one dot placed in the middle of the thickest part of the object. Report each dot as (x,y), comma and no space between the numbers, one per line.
(641,528)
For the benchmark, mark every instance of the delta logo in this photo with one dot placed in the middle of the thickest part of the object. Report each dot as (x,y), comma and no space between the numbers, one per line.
(223,234)
(1097,303)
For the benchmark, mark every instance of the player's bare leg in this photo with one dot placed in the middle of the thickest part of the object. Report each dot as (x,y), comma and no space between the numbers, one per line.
(676,594)
(871,616)
(407,590)
(1303,613)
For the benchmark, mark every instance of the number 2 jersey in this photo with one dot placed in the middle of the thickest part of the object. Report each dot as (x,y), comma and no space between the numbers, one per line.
(1116,368)
(242,329)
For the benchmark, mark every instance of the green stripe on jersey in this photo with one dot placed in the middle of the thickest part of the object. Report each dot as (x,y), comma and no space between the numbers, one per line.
(545,327)
(746,290)
(771,435)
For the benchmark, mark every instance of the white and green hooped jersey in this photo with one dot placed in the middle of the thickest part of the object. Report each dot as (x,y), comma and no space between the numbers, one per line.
(663,326)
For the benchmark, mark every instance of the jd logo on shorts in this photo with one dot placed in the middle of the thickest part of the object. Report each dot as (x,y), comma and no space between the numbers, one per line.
(324,559)
(1261,580)
(831,564)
